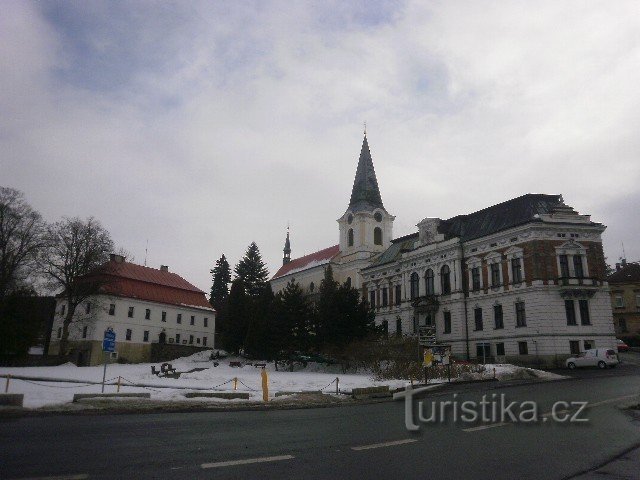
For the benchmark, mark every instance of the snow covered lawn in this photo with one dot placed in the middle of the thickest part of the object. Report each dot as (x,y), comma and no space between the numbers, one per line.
(38,393)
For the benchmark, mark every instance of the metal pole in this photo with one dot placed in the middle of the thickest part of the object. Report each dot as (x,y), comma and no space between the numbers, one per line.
(337,387)
(6,386)
(104,372)
(118,391)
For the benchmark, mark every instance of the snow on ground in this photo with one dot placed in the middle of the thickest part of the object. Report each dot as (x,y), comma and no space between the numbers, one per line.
(38,393)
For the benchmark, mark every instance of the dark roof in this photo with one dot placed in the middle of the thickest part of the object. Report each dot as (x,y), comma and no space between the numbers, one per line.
(628,273)
(502,216)
(129,280)
(365,194)
(393,253)
(308,261)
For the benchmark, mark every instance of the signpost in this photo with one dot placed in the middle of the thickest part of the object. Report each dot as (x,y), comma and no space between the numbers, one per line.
(108,346)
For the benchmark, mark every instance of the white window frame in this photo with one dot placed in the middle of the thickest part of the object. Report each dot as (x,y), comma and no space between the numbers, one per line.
(493,258)
(570,249)
(511,254)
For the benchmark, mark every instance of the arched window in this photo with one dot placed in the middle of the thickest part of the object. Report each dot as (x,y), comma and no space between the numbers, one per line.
(415,285)
(312,287)
(350,237)
(428,278)
(445,278)
(348,282)
(377,236)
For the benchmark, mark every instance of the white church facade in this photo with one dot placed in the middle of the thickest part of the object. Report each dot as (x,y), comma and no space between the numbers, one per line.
(523,281)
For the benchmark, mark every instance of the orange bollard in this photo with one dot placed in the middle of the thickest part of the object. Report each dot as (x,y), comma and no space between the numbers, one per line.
(235,383)
(265,385)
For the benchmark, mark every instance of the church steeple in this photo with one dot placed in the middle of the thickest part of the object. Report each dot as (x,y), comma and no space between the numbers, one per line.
(287,250)
(365,194)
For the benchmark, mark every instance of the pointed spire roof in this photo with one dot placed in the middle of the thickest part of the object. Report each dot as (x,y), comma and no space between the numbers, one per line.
(365,194)
(287,244)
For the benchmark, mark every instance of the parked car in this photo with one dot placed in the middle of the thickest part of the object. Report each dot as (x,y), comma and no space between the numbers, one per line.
(594,357)
(622,347)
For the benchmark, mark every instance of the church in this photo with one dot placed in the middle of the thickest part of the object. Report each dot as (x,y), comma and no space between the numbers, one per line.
(523,281)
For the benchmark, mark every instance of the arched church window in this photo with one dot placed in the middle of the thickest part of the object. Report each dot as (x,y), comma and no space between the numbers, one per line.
(445,279)
(350,237)
(312,287)
(428,278)
(415,285)
(348,282)
(377,236)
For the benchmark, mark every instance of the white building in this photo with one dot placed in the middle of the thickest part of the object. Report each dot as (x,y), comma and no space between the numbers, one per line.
(522,281)
(154,313)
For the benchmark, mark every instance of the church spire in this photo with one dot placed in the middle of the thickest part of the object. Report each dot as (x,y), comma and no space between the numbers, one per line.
(287,250)
(365,194)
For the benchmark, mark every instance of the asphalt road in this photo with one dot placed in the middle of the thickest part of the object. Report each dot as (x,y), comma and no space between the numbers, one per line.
(363,441)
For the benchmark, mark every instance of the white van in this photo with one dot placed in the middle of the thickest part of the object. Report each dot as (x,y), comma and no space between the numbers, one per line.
(594,357)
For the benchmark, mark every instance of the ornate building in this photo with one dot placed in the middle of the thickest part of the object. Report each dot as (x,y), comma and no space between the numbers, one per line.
(522,281)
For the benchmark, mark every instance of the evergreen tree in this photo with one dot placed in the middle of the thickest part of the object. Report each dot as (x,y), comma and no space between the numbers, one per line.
(235,318)
(252,271)
(259,342)
(326,310)
(292,320)
(221,276)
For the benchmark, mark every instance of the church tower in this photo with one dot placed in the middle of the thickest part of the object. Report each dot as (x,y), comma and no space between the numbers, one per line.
(366,228)
(287,250)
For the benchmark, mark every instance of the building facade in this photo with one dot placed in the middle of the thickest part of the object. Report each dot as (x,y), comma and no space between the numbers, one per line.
(523,281)
(144,306)
(625,301)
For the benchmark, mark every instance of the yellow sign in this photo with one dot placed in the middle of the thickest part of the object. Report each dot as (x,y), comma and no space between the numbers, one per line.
(428,357)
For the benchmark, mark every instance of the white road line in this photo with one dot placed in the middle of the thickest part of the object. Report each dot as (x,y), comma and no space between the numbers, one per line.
(484,427)
(81,476)
(384,444)
(246,461)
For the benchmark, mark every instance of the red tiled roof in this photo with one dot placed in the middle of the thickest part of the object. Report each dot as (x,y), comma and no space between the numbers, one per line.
(308,261)
(144,283)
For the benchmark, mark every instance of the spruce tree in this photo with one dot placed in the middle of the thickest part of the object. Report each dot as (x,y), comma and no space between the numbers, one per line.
(292,320)
(221,276)
(235,318)
(259,342)
(252,271)
(326,310)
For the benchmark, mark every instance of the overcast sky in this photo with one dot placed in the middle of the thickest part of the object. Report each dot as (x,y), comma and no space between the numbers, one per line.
(201,127)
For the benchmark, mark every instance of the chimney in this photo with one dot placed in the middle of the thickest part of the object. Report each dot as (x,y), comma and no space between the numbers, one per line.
(617,267)
(164,268)
(114,257)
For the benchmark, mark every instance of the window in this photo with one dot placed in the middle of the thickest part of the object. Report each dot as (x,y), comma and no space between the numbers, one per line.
(164,316)
(475,278)
(312,287)
(619,300)
(584,312)
(398,295)
(574,347)
(350,237)
(385,298)
(428,278)
(385,327)
(521,319)
(193,320)
(497,316)
(577,266)
(130,313)
(415,286)
(348,282)
(145,337)
(564,266)
(378,217)
(523,349)
(190,339)
(372,299)
(588,344)
(445,278)
(377,236)
(198,340)
(477,314)
(147,314)
(112,309)
(128,334)
(500,349)
(570,311)
(495,274)
(59,332)
(179,318)
(516,270)
(84,331)
(87,308)
(204,341)
(637,301)
(483,351)
(62,309)
(447,322)
(177,338)
(622,325)
(206,322)
(399,326)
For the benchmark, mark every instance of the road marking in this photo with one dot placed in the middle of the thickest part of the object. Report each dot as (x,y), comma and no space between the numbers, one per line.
(246,461)
(484,427)
(384,444)
(81,476)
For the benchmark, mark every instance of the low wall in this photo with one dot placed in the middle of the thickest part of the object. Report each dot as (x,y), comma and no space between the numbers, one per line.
(162,352)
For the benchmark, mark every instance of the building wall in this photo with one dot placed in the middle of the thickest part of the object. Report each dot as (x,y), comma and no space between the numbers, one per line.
(137,349)
(626,317)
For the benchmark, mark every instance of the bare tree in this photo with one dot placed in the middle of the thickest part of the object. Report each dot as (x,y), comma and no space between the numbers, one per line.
(75,249)
(21,238)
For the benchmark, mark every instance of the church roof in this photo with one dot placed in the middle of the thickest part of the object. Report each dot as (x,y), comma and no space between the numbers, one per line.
(308,261)
(365,194)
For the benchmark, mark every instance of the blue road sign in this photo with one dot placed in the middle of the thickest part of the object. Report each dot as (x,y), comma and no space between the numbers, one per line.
(109,341)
